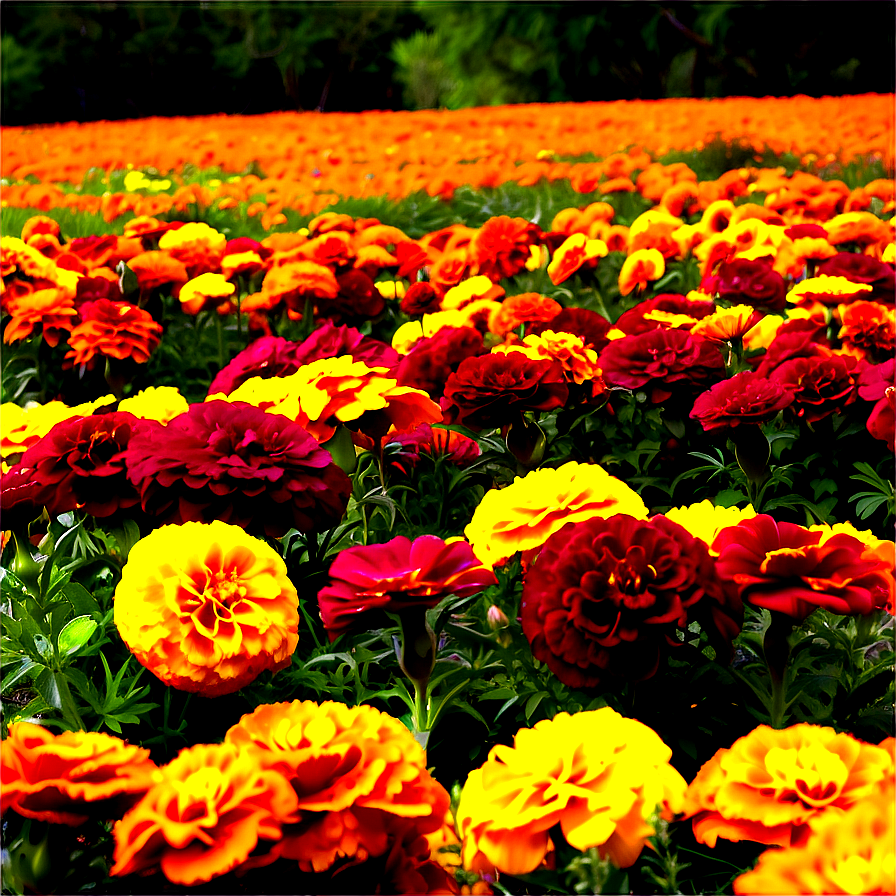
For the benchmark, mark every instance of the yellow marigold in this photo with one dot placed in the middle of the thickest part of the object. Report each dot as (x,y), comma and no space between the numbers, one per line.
(330,391)
(410,333)
(524,514)
(575,251)
(162,403)
(728,323)
(197,246)
(391,289)
(852,853)
(210,810)
(20,428)
(825,289)
(201,292)
(770,784)
(889,254)
(470,290)
(69,777)
(671,320)
(578,362)
(350,768)
(705,520)
(597,774)
(763,334)
(640,268)
(206,607)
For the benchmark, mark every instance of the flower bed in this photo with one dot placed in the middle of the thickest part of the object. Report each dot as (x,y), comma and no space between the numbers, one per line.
(525,533)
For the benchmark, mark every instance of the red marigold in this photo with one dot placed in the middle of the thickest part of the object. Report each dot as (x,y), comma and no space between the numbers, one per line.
(494,390)
(112,330)
(396,576)
(661,362)
(746,398)
(820,385)
(434,359)
(634,320)
(421,298)
(862,269)
(82,463)
(236,463)
(500,248)
(455,447)
(590,325)
(751,282)
(793,570)
(882,419)
(606,598)
(69,777)
(203,819)
(869,330)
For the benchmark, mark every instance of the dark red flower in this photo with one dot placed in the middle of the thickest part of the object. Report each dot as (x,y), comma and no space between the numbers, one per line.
(798,231)
(661,362)
(21,497)
(406,448)
(421,298)
(751,282)
(236,463)
(358,299)
(494,390)
(882,419)
(590,325)
(745,398)
(794,339)
(875,379)
(92,289)
(792,570)
(862,269)
(82,463)
(369,580)
(634,321)
(820,385)
(432,360)
(607,598)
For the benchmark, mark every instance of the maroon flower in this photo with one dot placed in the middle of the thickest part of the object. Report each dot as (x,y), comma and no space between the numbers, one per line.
(432,360)
(607,598)
(794,339)
(751,282)
(494,390)
(863,269)
(798,231)
(745,398)
(82,463)
(236,463)
(661,362)
(590,325)
(21,497)
(369,580)
(784,567)
(358,299)
(633,321)
(875,379)
(820,385)
(882,419)
(421,298)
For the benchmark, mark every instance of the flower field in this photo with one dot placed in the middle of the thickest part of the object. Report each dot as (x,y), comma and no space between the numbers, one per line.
(494,501)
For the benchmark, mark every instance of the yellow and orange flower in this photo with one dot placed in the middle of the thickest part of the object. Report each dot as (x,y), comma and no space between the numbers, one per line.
(771,783)
(728,323)
(297,281)
(705,520)
(197,246)
(575,251)
(597,775)
(579,363)
(112,330)
(640,268)
(211,809)
(850,852)
(524,308)
(524,514)
(827,290)
(154,269)
(205,291)
(869,330)
(206,607)
(70,777)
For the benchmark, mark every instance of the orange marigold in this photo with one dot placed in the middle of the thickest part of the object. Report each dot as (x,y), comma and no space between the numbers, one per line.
(356,771)
(210,810)
(574,252)
(154,269)
(525,308)
(112,330)
(869,329)
(578,362)
(206,607)
(197,246)
(500,248)
(292,283)
(770,784)
(70,777)
(640,268)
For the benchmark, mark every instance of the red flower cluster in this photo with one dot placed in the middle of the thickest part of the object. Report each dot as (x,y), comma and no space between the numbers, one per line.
(743,399)
(434,359)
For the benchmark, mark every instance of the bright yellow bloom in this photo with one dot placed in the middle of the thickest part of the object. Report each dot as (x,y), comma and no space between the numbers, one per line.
(763,334)
(705,520)
(471,290)
(728,323)
(597,774)
(639,268)
(196,293)
(20,428)
(579,363)
(670,320)
(162,403)
(524,514)
(815,288)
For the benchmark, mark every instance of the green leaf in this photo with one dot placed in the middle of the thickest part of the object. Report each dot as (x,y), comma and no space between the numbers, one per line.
(76,634)
(82,601)
(47,686)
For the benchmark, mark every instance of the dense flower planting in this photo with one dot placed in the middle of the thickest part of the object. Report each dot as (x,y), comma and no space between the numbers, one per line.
(409,503)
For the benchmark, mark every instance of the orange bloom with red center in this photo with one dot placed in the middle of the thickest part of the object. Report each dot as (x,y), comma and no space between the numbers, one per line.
(211,809)
(500,248)
(574,252)
(70,777)
(112,330)
(850,852)
(53,309)
(771,783)
(525,308)
(358,774)
(297,281)
(206,607)
(827,290)
(154,269)
(869,330)
(450,268)
(655,229)
(728,323)
(640,268)
(857,227)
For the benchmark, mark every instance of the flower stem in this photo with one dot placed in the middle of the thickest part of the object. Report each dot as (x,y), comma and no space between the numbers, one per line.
(776,649)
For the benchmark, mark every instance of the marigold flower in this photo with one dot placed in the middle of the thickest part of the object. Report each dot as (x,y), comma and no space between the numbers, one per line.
(524,514)
(500,248)
(368,580)
(590,325)
(420,298)
(69,777)
(112,330)
(850,852)
(197,246)
(641,267)
(429,364)
(578,362)
(705,520)
(821,384)
(863,228)
(728,323)
(863,269)
(527,307)
(201,291)
(597,774)
(828,290)
(744,399)
(606,598)
(751,281)
(771,783)
(154,269)
(206,607)
(161,403)
(203,819)
(869,328)
(52,309)
(792,570)
(636,319)
(574,252)
(470,290)
(234,462)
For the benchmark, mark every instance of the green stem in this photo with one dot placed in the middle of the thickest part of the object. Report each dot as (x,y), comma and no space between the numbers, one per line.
(776,650)
(69,710)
